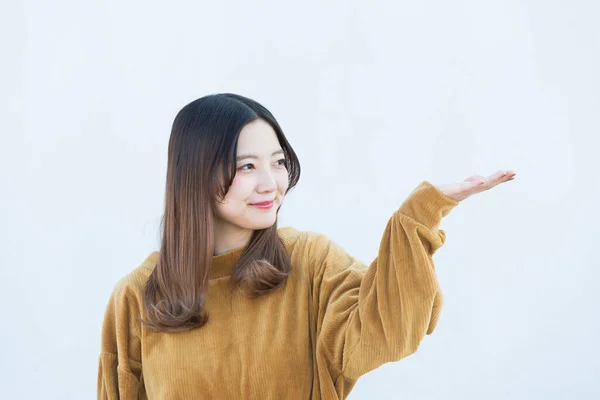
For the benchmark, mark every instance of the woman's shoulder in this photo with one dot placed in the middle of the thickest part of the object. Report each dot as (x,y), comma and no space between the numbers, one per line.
(134,282)
(310,243)
(292,237)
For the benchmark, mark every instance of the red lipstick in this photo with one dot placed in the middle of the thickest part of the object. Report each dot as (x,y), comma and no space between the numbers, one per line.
(265,205)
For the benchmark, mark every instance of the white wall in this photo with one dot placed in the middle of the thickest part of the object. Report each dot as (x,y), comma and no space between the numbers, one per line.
(375,97)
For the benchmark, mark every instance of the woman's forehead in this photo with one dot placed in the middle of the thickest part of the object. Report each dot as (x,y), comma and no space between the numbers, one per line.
(257,139)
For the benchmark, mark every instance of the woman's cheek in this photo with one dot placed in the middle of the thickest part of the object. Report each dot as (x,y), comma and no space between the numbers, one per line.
(282,182)
(242,185)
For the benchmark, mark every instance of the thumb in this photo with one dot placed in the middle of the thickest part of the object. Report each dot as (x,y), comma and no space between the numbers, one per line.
(476,179)
(473,182)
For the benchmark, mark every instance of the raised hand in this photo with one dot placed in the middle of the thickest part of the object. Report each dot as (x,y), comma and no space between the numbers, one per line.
(475,184)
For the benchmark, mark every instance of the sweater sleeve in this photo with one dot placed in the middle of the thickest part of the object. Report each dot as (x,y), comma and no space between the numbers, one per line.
(120,367)
(368,316)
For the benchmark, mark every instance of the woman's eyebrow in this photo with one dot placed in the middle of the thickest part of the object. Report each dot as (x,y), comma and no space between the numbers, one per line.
(253,156)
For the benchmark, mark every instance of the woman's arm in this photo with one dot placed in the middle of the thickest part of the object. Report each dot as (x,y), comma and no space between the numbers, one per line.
(120,367)
(369,316)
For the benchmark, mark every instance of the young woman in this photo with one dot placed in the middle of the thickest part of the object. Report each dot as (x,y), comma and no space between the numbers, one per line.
(232,307)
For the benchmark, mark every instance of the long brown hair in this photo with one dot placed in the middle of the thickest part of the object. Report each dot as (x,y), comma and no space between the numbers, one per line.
(201,166)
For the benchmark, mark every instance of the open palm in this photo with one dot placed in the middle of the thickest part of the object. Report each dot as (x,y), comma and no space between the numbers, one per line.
(475,184)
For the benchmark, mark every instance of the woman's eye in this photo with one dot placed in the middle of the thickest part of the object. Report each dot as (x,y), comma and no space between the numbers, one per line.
(249,167)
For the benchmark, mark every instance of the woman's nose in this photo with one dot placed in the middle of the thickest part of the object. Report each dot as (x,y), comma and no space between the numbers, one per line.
(267,182)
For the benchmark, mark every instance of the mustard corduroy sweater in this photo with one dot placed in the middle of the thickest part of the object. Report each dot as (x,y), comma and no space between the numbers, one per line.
(334,320)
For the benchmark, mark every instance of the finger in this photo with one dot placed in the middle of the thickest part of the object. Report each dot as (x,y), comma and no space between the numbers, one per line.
(482,184)
(472,184)
(500,177)
(510,175)
(477,179)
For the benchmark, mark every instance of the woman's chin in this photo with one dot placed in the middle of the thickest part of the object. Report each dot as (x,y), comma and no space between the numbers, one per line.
(264,223)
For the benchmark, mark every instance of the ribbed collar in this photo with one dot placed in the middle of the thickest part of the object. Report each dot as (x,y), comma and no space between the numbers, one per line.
(223,264)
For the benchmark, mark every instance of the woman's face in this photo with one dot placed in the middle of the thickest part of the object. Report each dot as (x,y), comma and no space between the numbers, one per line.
(259,185)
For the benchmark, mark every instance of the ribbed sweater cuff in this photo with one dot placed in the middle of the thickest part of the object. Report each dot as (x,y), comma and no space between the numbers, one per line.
(427,205)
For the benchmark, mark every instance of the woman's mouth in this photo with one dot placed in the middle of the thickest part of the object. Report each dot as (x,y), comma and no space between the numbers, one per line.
(265,205)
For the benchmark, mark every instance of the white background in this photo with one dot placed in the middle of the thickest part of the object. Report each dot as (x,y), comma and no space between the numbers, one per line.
(375,97)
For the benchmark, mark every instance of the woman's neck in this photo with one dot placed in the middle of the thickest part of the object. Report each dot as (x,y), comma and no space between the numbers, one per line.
(229,238)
